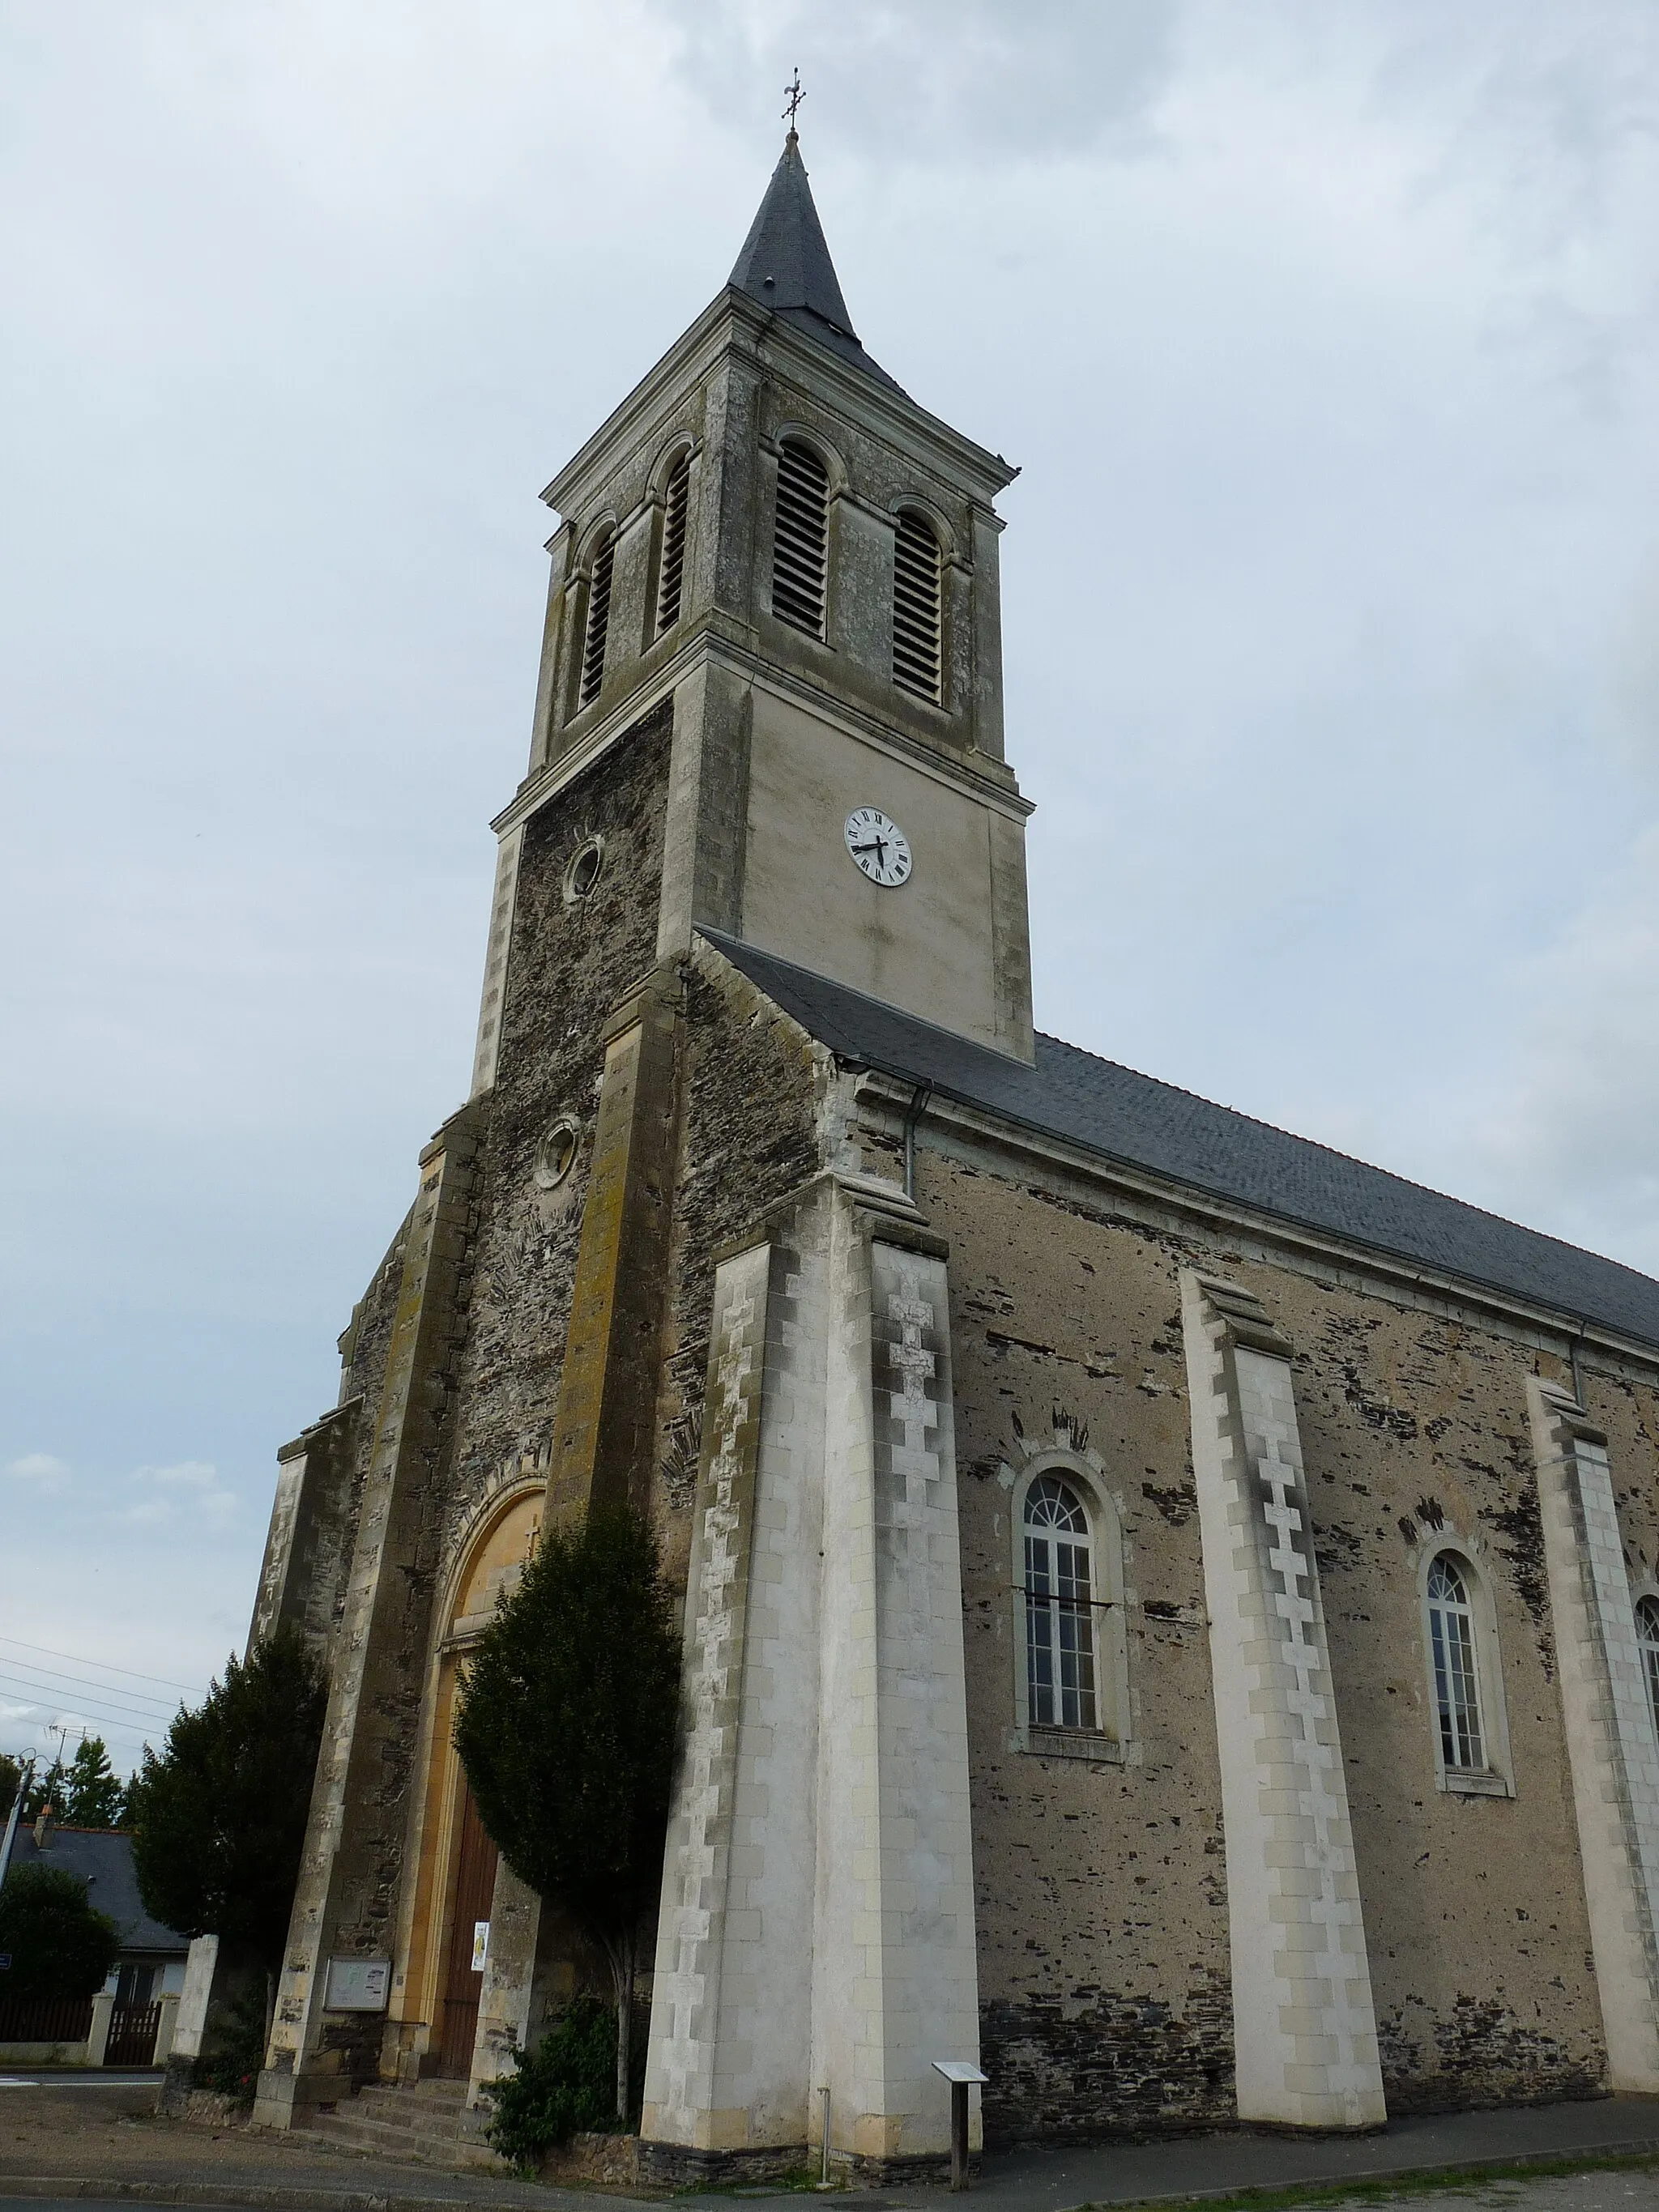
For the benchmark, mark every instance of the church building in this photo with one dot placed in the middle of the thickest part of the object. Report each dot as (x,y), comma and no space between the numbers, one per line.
(1171,1613)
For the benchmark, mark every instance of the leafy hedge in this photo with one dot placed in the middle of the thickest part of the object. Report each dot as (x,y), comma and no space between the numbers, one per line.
(567,2085)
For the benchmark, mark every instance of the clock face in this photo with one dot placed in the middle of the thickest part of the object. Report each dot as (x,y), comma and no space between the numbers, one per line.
(878,846)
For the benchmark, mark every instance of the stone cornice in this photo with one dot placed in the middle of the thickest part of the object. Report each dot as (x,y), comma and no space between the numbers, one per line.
(1271,1239)
(733,324)
(989,783)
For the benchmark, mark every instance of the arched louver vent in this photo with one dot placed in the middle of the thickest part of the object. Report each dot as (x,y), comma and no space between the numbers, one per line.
(675,507)
(599,624)
(801,542)
(916,608)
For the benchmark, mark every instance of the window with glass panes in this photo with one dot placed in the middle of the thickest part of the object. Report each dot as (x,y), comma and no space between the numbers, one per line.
(1456,1682)
(1059,1609)
(1647,1635)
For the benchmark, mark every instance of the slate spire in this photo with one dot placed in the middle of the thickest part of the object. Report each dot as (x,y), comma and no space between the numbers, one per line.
(785,263)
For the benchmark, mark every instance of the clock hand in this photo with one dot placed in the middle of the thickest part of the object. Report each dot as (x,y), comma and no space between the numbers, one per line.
(877,845)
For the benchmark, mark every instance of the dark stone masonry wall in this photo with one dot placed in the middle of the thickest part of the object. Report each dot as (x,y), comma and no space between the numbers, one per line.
(1093,2062)
(1415,1432)
(364,1349)
(1105,2004)
(1103,1931)
(569,964)
(749,1136)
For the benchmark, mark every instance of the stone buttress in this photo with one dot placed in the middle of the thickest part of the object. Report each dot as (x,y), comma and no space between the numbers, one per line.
(1612,1748)
(1304,2029)
(344,1899)
(601,1447)
(816,1930)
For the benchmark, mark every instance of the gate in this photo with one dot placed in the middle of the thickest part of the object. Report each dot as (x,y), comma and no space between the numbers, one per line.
(132,2035)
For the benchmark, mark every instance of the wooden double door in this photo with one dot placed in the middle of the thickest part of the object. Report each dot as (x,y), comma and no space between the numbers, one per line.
(474,1888)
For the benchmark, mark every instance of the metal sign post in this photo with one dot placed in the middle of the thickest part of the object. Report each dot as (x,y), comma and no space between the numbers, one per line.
(961,2074)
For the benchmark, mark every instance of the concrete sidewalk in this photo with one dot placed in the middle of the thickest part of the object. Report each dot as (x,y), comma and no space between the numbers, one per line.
(1202,2166)
(158,2162)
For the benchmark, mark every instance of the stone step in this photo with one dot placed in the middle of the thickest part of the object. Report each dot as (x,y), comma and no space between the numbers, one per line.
(388,2133)
(436,2100)
(388,2123)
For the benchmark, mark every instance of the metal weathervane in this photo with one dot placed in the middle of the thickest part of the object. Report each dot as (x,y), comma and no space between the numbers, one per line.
(793,97)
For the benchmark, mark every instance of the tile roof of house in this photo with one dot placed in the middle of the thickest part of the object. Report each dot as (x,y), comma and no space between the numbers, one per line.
(102,1858)
(1212,1151)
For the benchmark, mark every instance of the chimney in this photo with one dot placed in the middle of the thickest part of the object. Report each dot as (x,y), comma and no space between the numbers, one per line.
(43,1828)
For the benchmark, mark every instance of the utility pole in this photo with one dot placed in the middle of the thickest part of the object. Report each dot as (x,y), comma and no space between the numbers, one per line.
(24,1783)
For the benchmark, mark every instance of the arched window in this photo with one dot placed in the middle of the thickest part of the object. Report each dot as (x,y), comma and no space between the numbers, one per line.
(1060,1610)
(677,502)
(1456,1679)
(1647,1635)
(800,540)
(916,608)
(599,624)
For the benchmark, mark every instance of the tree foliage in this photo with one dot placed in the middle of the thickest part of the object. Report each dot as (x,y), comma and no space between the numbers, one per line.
(567,2084)
(219,1818)
(60,1946)
(90,1795)
(566,1726)
(42,1788)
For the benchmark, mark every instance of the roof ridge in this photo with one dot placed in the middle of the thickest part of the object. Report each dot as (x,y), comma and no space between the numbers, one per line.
(1337,1152)
(1217,1152)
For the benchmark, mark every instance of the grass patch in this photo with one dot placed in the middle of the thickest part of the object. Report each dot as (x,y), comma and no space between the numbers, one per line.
(1445,2180)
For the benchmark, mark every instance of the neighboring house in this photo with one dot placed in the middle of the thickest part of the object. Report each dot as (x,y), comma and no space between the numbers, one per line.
(129,2022)
(152,1961)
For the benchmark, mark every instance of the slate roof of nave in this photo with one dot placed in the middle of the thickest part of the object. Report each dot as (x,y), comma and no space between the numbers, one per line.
(1134,1120)
(785,263)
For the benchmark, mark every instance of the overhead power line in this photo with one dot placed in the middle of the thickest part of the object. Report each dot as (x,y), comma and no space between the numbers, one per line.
(193,1689)
(126,1724)
(50,1675)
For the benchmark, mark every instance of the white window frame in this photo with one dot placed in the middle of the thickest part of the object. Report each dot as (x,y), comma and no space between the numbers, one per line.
(1495,1776)
(1647,1593)
(1109,1740)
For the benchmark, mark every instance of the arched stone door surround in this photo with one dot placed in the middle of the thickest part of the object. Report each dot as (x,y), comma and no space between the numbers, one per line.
(434,1969)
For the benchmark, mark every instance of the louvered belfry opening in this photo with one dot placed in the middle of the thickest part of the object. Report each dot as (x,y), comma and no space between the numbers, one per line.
(676,504)
(801,542)
(916,608)
(599,624)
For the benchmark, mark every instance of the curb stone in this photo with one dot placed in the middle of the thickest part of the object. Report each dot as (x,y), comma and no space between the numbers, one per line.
(276,2196)
(1586,2158)
(287,2197)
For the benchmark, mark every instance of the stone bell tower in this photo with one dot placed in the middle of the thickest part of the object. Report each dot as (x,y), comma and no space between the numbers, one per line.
(772,531)
(768,714)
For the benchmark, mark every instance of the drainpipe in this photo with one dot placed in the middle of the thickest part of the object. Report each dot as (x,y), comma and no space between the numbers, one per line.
(1577,1373)
(918,1107)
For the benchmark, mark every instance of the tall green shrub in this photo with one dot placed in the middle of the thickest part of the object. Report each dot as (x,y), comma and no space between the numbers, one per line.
(58,1945)
(218,1818)
(565,2086)
(566,1725)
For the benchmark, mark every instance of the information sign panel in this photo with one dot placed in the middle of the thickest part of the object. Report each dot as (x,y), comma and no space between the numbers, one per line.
(357,1985)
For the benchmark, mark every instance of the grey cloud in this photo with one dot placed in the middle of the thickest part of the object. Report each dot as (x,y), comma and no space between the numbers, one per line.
(1574,1129)
(937,81)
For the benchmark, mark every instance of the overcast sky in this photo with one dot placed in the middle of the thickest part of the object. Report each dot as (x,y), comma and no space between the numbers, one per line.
(1324,335)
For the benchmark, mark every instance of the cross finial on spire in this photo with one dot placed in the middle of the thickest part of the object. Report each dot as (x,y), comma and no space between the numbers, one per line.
(793,97)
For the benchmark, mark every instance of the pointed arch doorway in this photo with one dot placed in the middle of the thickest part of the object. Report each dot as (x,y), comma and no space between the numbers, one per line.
(449,1934)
